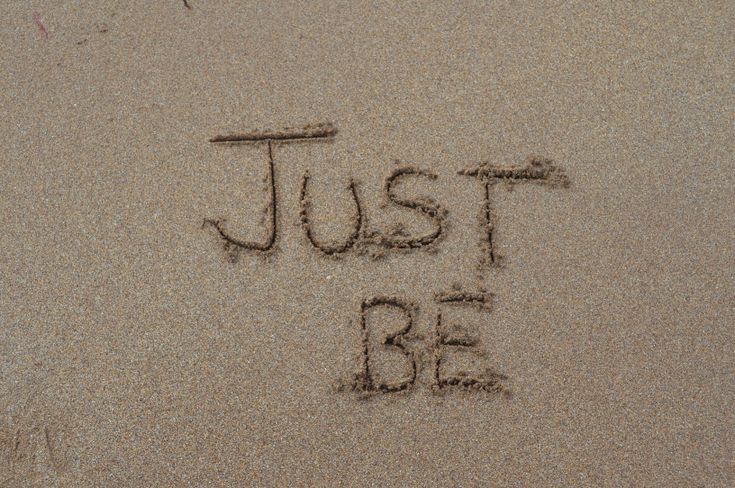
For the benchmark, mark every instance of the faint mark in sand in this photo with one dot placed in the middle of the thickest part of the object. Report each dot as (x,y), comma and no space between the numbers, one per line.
(33,448)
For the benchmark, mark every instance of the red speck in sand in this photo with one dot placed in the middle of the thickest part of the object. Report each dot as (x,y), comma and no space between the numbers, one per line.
(37,20)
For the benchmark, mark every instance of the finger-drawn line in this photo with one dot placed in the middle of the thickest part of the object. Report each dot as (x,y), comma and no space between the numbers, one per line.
(448,339)
(489,227)
(536,170)
(392,340)
(488,381)
(482,298)
(314,132)
(324,130)
(271,239)
(426,206)
(438,356)
(304,214)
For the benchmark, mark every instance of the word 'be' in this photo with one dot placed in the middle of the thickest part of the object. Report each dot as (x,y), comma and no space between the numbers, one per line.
(416,352)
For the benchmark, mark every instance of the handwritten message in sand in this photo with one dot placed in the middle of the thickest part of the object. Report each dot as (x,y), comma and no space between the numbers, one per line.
(391,353)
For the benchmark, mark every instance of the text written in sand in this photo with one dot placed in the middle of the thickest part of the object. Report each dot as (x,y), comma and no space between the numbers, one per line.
(392,359)
(535,170)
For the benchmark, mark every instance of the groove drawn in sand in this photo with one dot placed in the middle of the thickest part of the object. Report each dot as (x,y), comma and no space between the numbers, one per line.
(272,211)
(310,132)
(376,242)
(461,339)
(432,356)
(32,450)
(329,249)
(317,131)
(367,382)
(480,299)
(371,241)
(394,359)
(536,170)
(425,206)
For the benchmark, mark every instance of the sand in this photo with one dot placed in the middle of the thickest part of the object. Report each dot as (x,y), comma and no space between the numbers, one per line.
(140,347)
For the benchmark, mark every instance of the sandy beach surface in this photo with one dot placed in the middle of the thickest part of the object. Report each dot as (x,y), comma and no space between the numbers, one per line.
(471,244)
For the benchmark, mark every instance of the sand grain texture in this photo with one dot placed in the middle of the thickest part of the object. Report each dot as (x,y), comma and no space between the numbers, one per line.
(137,349)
